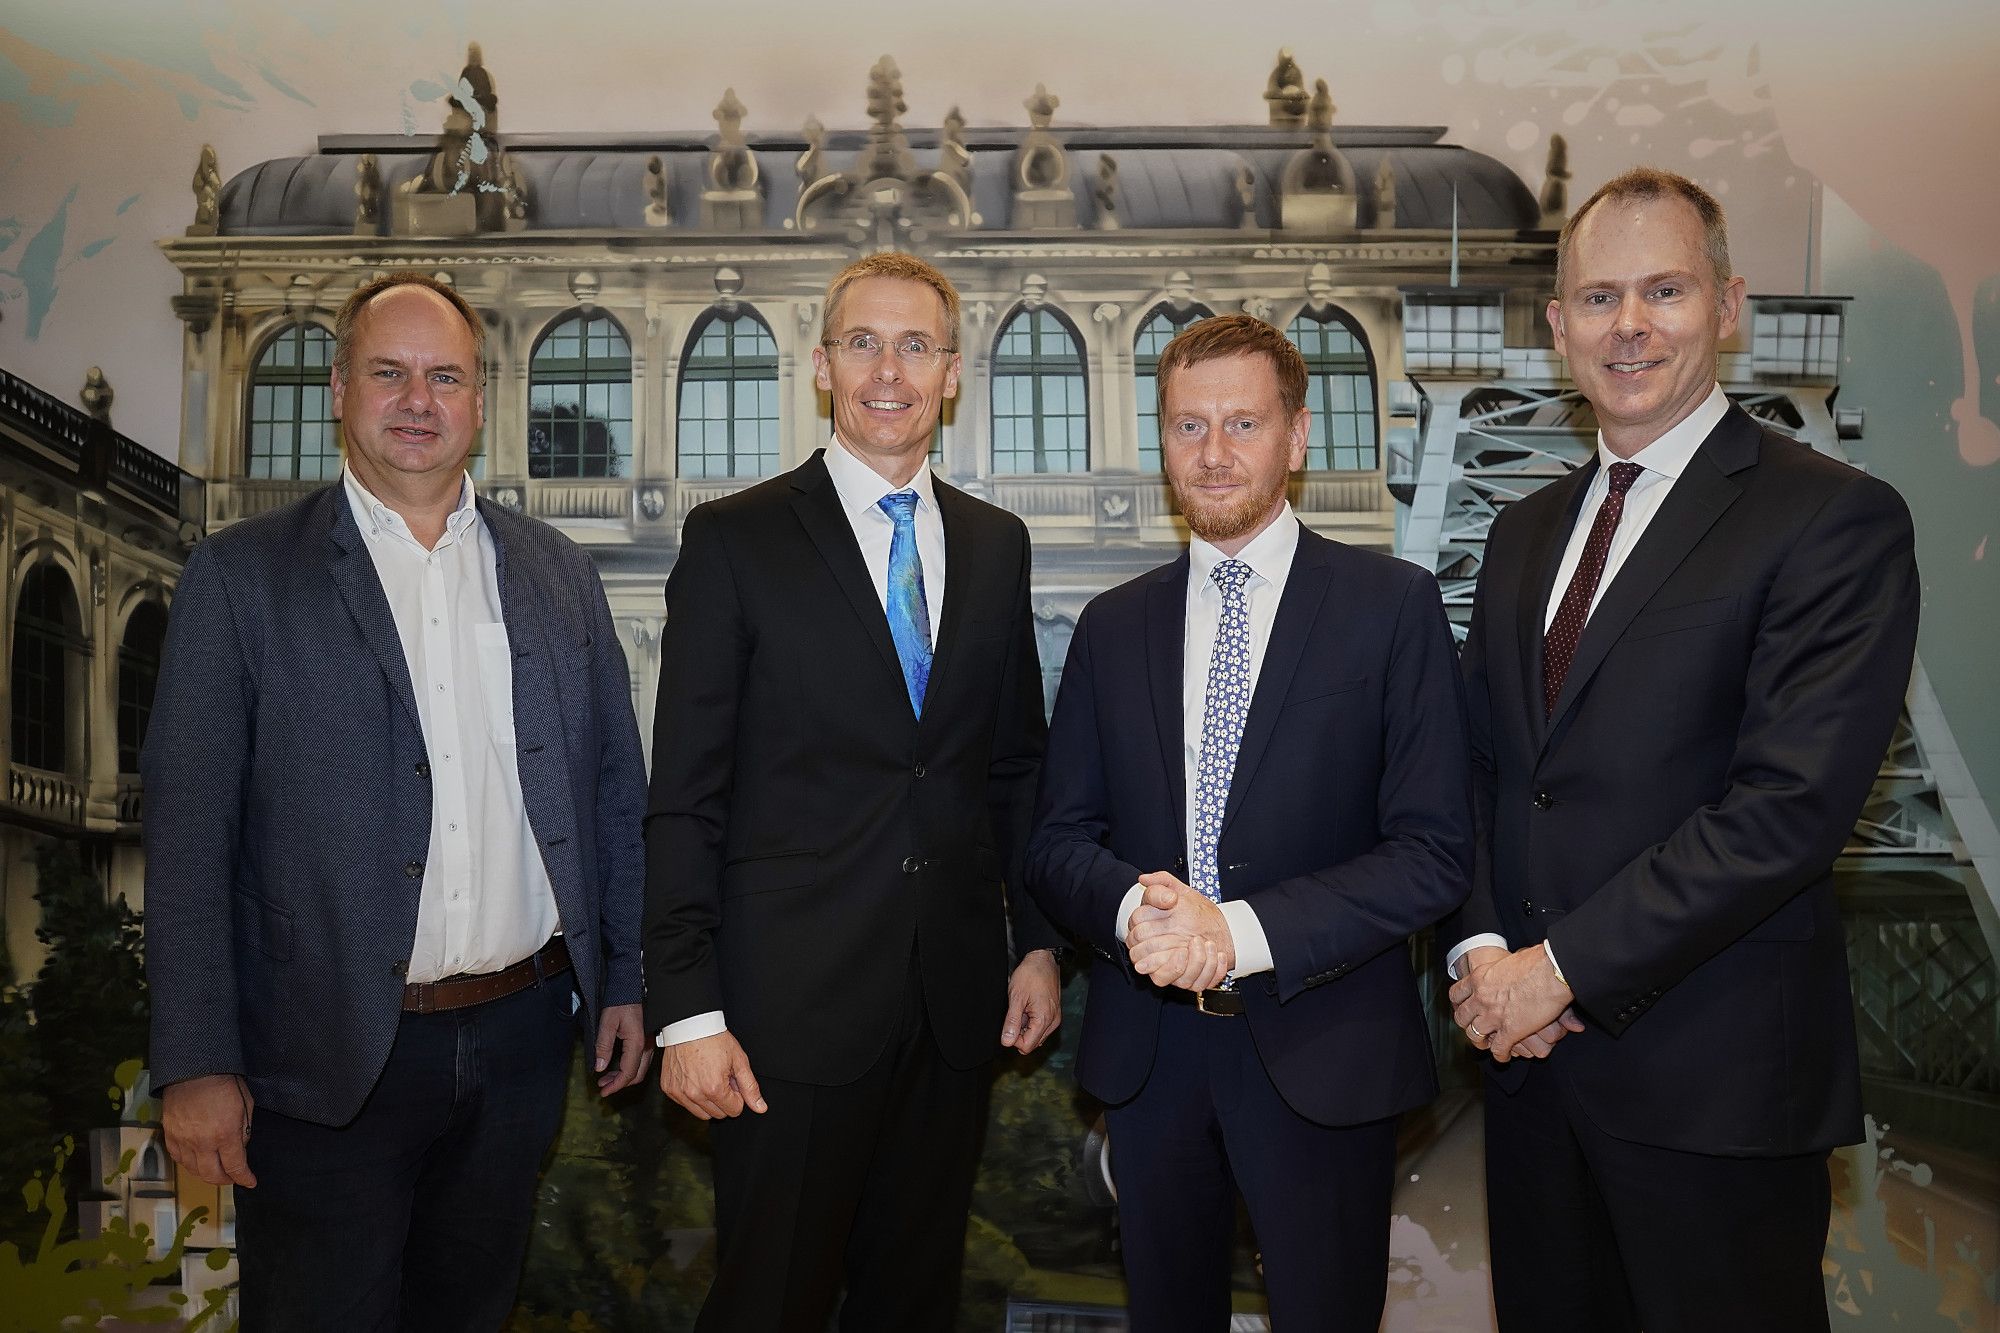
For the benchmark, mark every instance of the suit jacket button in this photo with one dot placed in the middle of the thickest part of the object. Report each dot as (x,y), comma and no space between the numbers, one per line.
(1180,865)
(400,968)
(1544,801)
(415,870)
(918,771)
(423,769)
(911,865)
(1527,907)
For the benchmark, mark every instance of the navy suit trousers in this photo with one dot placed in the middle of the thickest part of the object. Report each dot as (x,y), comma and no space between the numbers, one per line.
(413,1216)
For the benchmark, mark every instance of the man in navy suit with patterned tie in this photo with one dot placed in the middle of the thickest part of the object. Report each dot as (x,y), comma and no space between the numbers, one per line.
(1256,791)
(844,759)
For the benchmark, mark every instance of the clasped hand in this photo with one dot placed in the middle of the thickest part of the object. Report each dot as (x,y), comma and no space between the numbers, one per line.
(1512,1005)
(1177,937)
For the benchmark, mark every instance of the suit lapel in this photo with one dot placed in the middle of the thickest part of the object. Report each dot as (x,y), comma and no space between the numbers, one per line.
(959,548)
(1298,608)
(817,504)
(1166,647)
(1545,551)
(353,573)
(1699,497)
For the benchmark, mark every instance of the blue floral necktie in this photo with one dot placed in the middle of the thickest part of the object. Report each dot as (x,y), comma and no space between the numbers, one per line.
(909,613)
(1225,705)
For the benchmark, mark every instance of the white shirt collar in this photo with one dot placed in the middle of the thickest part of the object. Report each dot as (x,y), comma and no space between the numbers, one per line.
(377,518)
(1669,455)
(1269,553)
(861,487)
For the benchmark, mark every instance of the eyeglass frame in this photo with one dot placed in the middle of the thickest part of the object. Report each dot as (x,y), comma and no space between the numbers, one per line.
(845,345)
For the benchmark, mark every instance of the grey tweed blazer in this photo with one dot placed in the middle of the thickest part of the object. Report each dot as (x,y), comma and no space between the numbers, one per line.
(288,801)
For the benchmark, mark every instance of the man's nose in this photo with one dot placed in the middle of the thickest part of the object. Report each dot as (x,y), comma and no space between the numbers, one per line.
(1633,319)
(1214,450)
(419,395)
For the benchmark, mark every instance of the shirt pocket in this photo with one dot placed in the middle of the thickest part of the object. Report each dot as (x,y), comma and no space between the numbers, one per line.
(496,680)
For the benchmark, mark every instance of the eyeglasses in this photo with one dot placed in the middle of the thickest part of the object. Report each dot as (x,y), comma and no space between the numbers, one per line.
(862,349)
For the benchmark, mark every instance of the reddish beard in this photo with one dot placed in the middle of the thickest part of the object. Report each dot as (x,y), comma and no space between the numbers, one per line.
(1215,520)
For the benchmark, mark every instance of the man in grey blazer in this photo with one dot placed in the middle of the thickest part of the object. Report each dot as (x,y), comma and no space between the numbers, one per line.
(393,787)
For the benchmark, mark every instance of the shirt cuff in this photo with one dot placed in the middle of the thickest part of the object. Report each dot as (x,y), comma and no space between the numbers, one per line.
(1487,941)
(1126,906)
(1246,932)
(686,1030)
(1550,950)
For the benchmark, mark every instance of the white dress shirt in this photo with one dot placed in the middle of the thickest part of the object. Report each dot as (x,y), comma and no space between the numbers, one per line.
(1269,555)
(486,902)
(860,489)
(1662,462)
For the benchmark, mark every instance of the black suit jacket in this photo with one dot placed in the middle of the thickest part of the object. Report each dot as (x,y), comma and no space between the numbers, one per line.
(806,831)
(1672,828)
(1348,824)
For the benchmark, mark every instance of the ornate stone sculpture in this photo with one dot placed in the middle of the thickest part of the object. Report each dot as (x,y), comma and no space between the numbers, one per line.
(367,195)
(1385,193)
(1555,185)
(1317,191)
(1285,92)
(882,199)
(1042,195)
(656,193)
(734,199)
(207,192)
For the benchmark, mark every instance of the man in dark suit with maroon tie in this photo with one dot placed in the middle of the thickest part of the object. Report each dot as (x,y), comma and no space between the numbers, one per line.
(1684,664)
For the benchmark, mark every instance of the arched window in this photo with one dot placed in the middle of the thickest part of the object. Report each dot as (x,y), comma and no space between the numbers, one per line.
(1041,421)
(151,1166)
(1154,335)
(44,633)
(729,398)
(293,436)
(580,400)
(138,668)
(1340,390)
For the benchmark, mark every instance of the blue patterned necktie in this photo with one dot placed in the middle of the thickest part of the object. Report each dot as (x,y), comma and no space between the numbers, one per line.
(909,613)
(1224,707)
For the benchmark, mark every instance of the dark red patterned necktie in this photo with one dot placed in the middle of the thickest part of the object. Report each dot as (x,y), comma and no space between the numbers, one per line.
(1559,643)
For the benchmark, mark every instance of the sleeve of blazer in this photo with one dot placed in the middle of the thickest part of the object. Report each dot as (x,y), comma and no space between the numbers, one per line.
(1478,916)
(1826,677)
(1325,923)
(1019,735)
(704,651)
(1072,874)
(621,802)
(195,765)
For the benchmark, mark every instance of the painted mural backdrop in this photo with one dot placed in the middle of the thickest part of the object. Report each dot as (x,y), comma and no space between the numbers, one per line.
(1851,148)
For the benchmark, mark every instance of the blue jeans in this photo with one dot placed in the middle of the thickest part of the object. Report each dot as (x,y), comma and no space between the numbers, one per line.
(415,1215)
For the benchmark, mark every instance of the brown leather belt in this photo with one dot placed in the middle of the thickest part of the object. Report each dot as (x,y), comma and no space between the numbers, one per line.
(430,997)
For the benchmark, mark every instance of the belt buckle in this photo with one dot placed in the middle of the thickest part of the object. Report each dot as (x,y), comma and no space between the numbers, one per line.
(1201,1003)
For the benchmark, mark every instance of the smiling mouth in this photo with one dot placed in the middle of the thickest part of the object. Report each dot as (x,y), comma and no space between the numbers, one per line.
(884,405)
(414,434)
(1632,367)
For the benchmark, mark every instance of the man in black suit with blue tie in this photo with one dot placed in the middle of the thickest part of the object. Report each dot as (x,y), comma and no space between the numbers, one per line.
(1256,791)
(844,759)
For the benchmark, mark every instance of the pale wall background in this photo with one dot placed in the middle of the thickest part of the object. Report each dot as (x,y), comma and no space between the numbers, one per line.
(1851,142)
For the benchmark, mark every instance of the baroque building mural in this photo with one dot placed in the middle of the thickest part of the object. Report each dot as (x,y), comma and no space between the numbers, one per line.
(652,299)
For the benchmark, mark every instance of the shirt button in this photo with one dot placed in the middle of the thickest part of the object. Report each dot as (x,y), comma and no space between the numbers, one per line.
(918,770)
(911,865)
